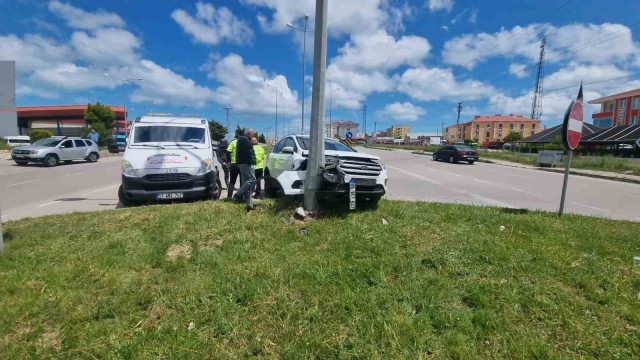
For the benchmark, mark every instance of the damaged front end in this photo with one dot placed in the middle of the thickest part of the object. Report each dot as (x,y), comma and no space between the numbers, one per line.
(365,173)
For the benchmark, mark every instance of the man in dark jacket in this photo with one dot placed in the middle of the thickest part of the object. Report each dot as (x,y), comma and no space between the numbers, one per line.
(246,160)
(224,158)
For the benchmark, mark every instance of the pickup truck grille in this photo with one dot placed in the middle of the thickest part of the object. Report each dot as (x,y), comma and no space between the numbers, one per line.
(362,167)
(167,177)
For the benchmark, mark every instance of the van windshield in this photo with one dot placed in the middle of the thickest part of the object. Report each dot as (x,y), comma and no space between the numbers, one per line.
(168,134)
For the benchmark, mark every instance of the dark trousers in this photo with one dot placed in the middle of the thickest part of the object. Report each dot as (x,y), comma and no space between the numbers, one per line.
(258,181)
(234,174)
(225,170)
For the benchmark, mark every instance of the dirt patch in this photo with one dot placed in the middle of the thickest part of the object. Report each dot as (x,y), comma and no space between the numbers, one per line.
(156,312)
(50,339)
(177,250)
(211,244)
(34,284)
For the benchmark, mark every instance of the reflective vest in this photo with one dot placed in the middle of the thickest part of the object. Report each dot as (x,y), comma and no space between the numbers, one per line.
(259,151)
(232,149)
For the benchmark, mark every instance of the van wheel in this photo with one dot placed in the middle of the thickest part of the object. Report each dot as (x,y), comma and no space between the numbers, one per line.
(51,160)
(124,200)
(217,192)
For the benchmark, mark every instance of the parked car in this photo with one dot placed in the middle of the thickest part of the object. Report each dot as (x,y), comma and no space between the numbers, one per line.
(18,140)
(50,151)
(169,157)
(286,165)
(455,153)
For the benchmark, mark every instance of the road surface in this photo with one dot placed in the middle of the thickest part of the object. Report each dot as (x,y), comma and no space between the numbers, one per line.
(417,177)
(35,190)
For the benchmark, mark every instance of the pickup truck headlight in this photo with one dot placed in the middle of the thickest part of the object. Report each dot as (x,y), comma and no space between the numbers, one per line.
(128,170)
(330,161)
(205,167)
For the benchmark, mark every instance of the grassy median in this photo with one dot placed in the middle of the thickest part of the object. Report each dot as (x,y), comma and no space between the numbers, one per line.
(209,280)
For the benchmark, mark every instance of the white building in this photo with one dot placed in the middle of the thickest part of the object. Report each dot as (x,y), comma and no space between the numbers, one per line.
(341,128)
(424,137)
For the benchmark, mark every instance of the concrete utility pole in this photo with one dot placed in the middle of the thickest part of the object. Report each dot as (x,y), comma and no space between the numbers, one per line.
(316,148)
(459,108)
(228,108)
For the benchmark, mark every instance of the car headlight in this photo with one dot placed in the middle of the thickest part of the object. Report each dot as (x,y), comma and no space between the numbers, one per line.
(205,167)
(128,170)
(330,161)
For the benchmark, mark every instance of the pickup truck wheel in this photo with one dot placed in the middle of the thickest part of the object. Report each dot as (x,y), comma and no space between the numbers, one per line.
(51,160)
(435,157)
(124,200)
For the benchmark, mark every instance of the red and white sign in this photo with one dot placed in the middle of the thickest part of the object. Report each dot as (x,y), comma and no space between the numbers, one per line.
(574,119)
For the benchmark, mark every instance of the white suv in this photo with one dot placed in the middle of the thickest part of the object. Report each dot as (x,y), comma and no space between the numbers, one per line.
(286,165)
(50,151)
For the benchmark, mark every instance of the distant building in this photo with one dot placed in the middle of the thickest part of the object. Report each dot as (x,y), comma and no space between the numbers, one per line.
(341,128)
(617,109)
(399,131)
(486,129)
(424,138)
(59,119)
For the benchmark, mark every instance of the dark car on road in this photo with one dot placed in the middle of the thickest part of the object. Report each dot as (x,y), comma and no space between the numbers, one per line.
(455,153)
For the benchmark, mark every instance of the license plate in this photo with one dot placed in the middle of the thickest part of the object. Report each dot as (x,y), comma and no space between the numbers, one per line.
(166,196)
(19,156)
(365,182)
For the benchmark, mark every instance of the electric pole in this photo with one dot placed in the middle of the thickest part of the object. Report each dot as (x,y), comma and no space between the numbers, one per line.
(228,108)
(364,118)
(459,108)
(536,103)
(315,162)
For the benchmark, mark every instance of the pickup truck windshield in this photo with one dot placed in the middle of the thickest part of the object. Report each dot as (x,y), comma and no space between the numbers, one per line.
(171,134)
(328,145)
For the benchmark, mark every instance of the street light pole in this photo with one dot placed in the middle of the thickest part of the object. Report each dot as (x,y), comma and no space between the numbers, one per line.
(275,135)
(124,97)
(304,59)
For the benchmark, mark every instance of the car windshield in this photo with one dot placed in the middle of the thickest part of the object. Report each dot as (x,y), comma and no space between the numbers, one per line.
(47,142)
(464,148)
(328,145)
(169,134)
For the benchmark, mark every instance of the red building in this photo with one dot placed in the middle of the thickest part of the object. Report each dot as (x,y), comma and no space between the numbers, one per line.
(59,119)
(617,109)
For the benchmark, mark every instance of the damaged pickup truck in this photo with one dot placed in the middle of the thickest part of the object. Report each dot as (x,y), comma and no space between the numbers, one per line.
(285,170)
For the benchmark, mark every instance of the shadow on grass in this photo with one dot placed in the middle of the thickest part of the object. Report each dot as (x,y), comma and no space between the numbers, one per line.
(7,235)
(514,211)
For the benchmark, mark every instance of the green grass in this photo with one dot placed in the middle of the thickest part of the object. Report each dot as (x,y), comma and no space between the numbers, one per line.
(439,281)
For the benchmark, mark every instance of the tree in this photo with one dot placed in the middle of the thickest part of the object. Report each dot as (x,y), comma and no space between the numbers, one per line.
(239,131)
(218,131)
(36,135)
(512,137)
(262,139)
(101,119)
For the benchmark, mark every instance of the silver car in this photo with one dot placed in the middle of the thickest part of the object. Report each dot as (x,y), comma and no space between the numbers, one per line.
(51,151)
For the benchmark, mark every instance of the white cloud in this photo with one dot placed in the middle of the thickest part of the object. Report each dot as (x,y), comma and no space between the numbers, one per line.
(245,87)
(101,47)
(518,70)
(429,84)
(381,51)
(435,5)
(405,111)
(81,19)
(32,51)
(212,26)
(445,28)
(585,43)
(575,73)
(345,17)
(68,76)
(22,90)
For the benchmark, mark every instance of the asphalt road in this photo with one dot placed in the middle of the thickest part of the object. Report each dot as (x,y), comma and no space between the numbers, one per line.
(35,190)
(417,177)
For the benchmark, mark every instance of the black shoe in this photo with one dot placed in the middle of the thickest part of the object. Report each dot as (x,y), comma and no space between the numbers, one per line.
(237,197)
(250,207)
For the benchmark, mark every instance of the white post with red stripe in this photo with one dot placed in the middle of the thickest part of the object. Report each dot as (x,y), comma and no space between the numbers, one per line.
(571,134)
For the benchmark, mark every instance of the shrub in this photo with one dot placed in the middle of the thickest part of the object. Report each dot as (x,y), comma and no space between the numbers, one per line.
(36,135)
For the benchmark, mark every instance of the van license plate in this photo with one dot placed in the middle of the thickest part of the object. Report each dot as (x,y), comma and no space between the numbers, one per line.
(166,196)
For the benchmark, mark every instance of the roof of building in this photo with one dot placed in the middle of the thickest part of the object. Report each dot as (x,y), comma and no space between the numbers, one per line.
(547,135)
(616,96)
(341,123)
(426,134)
(498,118)
(62,107)
(617,134)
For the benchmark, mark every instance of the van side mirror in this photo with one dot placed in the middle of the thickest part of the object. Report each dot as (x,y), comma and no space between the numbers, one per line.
(287,150)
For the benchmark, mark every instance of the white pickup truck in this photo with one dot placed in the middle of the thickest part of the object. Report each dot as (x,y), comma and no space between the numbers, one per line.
(286,165)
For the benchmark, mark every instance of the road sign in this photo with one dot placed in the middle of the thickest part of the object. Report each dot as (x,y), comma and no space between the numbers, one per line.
(348,135)
(638,142)
(572,126)
(349,142)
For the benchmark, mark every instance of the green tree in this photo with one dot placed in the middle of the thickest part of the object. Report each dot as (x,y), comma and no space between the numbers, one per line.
(512,137)
(262,139)
(101,119)
(239,131)
(36,135)
(218,131)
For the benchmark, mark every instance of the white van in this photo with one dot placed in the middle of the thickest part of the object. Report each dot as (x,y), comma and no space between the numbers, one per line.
(169,157)
(18,140)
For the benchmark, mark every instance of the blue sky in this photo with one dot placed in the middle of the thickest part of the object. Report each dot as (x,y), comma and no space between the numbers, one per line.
(410,62)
